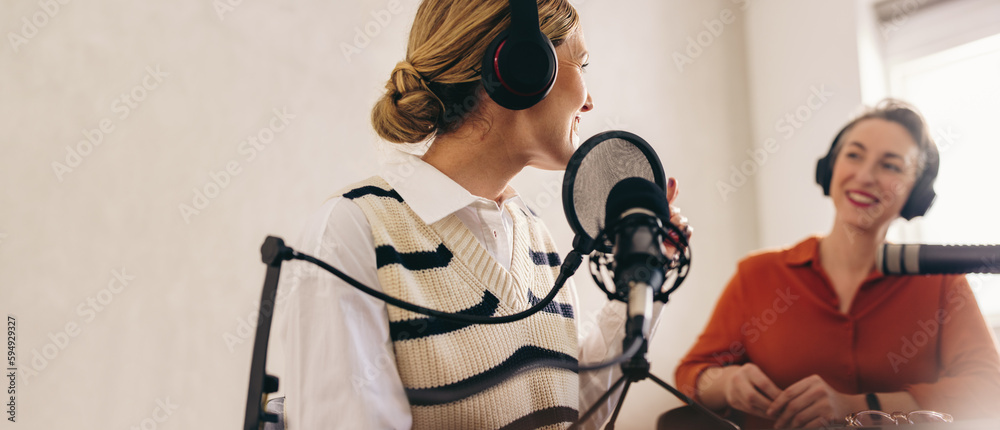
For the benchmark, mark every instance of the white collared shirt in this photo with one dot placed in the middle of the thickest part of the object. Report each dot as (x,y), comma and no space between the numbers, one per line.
(341,370)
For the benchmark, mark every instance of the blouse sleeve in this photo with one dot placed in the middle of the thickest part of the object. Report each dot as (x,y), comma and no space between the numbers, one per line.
(968,385)
(720,344)
(340,367)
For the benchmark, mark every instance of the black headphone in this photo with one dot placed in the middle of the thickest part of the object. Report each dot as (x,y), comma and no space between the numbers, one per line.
(519,66)
(922,195)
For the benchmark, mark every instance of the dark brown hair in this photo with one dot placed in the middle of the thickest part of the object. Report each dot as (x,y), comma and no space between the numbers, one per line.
(906,115)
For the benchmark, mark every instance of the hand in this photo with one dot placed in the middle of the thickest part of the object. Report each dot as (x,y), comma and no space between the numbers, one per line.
(750,390)
(811,402)
(676,218)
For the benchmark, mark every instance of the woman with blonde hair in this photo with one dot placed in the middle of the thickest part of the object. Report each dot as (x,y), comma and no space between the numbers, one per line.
(451,234)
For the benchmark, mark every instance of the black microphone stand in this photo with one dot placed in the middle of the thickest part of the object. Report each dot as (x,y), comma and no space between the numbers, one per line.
(273,252)
(636,370)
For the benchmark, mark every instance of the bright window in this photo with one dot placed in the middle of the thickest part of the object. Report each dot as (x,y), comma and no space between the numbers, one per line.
(958,91)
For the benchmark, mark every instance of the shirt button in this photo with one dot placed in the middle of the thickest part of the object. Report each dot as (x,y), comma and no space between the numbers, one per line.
(494,234)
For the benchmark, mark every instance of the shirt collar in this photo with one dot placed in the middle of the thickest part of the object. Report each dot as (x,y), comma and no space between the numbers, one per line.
(431,194)
(803,253)
(807,253)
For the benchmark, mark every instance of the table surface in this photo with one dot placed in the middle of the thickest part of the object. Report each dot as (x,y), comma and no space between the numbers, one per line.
(958,425)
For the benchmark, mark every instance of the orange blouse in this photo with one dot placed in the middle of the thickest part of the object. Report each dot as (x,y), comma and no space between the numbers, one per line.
(920,334)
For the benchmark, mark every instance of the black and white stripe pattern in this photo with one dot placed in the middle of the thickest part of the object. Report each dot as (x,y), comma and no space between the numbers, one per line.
(457,375)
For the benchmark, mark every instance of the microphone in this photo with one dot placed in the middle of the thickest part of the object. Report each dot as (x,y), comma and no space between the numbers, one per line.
(916,259)
(633,213)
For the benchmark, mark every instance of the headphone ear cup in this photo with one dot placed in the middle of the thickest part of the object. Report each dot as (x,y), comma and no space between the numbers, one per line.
(920,200)
(517,74)
(823,174)
(488,75)
(824,167)
(923,195)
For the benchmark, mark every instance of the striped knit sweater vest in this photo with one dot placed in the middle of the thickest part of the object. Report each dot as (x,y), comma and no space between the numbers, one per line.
(443,266)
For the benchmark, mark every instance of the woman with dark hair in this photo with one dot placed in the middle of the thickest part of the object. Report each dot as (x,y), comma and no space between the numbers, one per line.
(804,336)
(446,231)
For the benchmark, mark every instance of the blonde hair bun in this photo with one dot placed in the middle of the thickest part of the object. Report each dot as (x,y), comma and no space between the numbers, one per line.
(408,111)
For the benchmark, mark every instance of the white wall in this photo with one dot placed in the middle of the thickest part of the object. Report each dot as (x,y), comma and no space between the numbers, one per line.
(796,50)
(161,337)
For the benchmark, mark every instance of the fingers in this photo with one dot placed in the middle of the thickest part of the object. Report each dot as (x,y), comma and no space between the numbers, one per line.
(675,216)
(764,384)
(672,190)
(797,410)
(747,399)
(751,390)
(675,213)
(681,222)
(815,415)
(801,402)
(782,399)
(756,397)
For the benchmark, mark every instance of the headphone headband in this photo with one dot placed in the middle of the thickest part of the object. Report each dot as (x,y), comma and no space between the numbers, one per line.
(519,66)
(523,18)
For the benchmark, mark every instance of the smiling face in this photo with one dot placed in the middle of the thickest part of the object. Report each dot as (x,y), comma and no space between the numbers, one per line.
(873,174)
(552,126)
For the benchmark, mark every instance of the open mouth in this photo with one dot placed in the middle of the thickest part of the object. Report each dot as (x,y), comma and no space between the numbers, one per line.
(576,125)
(861,198)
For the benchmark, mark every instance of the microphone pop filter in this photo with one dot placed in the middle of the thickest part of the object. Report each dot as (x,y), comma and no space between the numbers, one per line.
(595,168)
